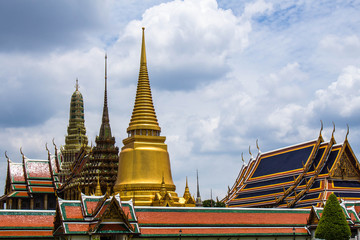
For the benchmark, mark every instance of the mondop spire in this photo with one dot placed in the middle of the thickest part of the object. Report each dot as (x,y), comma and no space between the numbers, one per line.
(105,130)
(104,156)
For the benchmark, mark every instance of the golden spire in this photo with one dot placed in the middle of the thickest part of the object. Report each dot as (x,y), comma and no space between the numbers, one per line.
(187,194)
(163,188)
(98,191)
(143,116)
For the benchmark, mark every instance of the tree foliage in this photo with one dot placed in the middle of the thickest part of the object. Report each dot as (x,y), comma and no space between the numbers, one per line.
(333,224)
(212,203)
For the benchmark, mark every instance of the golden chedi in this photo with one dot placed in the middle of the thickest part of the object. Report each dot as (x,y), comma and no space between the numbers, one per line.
(144,173)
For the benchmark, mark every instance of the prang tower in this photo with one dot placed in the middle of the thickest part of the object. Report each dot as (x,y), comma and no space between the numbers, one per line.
(144,173)
(76,134)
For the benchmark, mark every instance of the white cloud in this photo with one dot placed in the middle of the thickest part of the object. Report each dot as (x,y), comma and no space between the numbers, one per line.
(342,96)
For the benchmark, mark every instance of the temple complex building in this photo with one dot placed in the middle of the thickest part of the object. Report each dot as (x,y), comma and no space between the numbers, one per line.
(95,166)
(31,184)
(102,165)
(299,176)
(85,192)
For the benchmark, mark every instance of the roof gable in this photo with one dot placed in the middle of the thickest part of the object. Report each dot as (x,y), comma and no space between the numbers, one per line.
(345,165)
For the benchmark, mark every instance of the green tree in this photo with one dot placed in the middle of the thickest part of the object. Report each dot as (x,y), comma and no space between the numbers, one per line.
(333,224)
(208,203)
(212,203)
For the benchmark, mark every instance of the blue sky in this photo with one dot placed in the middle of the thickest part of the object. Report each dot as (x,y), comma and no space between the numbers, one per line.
(223,74)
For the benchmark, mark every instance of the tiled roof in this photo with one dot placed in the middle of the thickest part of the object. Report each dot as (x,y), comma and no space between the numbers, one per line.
(349,209)
(31,176)
(16,172)
(162,221)
(26,223)
(297,176)
(93,214)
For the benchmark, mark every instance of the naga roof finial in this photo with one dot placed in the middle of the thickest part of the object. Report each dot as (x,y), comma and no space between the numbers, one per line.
(7,156)
(322,127)
(347,133)
(257,145)
(250,152)
(332,134)
(21,151)
(47,149)
(242,158)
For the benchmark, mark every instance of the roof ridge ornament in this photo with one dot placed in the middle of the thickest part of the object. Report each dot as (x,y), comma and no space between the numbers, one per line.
(53,141)
(47,149)
(7,156)
(21,152)
(332,134)
(347,132)
(251,156)
(321,128)
(257,146)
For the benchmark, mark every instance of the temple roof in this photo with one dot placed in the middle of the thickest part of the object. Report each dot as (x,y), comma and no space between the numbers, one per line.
(166,222)
(297,176)
(31,176)
(95,215)
(349,208)
(35,224)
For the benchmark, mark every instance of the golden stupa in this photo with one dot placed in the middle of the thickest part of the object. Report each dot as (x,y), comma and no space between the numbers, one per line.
(144,173)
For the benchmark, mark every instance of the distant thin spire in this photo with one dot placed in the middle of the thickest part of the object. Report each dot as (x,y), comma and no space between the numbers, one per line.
(198,197)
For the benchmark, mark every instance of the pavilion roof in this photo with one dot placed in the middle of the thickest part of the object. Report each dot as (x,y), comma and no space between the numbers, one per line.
(26,223)
(297,176)
(167,222)
(95,215)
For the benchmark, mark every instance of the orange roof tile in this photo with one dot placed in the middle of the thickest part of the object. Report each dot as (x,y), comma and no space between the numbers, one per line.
(252,217)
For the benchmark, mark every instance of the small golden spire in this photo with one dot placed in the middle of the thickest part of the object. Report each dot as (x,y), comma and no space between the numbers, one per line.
(163,187)
(98,191)
(77,84)
(187,194)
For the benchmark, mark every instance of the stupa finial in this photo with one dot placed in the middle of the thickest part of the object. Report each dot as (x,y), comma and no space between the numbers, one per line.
(143,51)
(143,119)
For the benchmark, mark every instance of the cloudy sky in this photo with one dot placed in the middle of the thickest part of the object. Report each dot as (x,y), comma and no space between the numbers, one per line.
(223,74)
